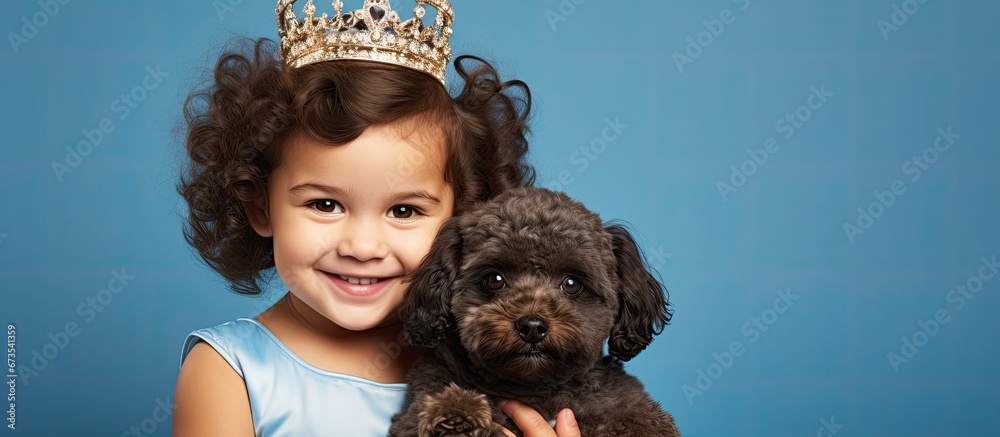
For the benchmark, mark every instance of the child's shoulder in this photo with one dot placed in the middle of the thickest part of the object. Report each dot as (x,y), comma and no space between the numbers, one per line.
(236,341)
(211,385)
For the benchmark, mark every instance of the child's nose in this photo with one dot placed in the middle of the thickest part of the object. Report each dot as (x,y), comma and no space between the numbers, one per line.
(363,240)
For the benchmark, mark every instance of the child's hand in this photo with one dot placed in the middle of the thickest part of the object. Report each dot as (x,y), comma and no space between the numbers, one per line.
(533,424)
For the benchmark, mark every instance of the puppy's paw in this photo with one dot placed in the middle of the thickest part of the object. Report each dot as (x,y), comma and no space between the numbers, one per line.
(455,412)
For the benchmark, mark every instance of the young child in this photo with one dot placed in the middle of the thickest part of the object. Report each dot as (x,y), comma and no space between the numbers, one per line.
(333,162)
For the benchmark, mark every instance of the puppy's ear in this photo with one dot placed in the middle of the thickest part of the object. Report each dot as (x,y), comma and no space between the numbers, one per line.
(425,312)
(643,307)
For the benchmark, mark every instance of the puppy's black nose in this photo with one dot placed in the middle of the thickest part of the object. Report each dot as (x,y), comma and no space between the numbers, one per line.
(531,329)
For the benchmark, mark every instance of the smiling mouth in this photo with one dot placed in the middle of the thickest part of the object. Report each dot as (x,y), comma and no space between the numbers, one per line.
(359,286)
(359,281)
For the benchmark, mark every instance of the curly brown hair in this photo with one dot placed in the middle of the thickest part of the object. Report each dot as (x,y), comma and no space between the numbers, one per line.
(237,126)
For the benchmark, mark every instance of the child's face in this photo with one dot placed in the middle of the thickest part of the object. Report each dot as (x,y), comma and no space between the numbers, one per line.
(360,210)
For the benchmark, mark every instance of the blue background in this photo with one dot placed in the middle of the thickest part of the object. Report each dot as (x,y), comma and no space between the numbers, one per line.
(825,358)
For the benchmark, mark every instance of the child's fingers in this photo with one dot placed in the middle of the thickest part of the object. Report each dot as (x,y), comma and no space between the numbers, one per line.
(527,419)
(566,425)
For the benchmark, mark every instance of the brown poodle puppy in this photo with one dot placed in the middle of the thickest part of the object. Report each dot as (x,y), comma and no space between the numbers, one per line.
(519,296)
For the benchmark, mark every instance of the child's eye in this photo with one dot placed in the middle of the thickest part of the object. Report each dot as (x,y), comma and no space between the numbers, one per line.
(404,212)
(326,206)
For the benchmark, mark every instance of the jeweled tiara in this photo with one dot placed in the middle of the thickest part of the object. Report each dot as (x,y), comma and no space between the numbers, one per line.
(372,33)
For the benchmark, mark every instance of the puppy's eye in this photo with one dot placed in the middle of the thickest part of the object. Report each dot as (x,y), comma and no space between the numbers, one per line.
(494,281)
(571,285)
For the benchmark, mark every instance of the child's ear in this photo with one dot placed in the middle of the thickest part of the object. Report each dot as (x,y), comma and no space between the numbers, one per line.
(259,217)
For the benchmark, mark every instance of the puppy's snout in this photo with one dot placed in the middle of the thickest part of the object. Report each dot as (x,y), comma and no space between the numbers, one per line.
(531,329)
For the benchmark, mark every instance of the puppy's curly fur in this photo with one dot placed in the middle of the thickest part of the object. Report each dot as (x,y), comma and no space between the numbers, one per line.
(519,296)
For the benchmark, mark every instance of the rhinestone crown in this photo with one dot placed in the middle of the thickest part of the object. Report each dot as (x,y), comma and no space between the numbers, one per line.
(372,33)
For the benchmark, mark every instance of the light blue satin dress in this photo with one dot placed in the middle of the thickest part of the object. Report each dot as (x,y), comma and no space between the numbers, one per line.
(289,397)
